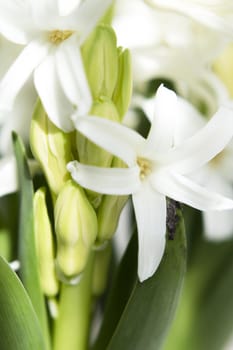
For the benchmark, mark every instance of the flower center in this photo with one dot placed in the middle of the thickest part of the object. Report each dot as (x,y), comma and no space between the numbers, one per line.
(145,166)
(57,36)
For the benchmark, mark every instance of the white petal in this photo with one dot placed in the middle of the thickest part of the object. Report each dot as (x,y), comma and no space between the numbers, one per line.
(86,15)
(18,119)
(150,211)
(218,225)
(202,13)
(52,96)
(72,76)
(44,12)
(119,140)
(118,181)
(67,6)
(15,21)
(184,190)
(204,145)
(20,72)
(160,137)
(8,176)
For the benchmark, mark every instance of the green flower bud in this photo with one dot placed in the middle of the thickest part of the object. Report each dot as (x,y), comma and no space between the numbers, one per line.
(91,154)
(123,90)
(76,229)
(51,147)
(101,61)
(109,212)
(101,269)
(88,152)
(44,245)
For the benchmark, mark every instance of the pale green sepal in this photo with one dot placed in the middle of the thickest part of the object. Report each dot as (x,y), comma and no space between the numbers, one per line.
(44,245)
(123,90)
(101,61)
(51,147)
(101,268)
(76,229)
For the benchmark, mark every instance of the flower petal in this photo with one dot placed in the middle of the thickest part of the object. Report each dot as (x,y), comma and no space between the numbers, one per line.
(160,137)
(218,225)
(182,189)
(44,12)
(20,71)
(15,21)
(203,146)
(8,176)
(86,15)
(18,119)
(52,96)
(117,139)
(150,211)
(202,13)
(119,181)
(72,76)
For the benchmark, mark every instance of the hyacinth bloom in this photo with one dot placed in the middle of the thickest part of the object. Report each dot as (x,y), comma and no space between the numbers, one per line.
(216,14)
(156,169)
(215,175)
(52,32)
(159,51)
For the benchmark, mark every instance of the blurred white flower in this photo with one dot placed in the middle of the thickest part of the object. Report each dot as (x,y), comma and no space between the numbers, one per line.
(52,32)
(215,14)
(156,169)
(170,46)
(17,119)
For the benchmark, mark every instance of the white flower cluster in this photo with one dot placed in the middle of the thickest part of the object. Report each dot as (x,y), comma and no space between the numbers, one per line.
(184,157)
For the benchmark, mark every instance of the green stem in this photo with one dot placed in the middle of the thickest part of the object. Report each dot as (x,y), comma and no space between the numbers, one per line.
(72,324)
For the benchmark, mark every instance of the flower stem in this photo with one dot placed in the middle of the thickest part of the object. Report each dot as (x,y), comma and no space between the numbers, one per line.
(72,324)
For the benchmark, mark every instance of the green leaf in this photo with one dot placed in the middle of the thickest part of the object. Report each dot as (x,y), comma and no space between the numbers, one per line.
(145,313)
(27,251)
(19,326)
(205,315)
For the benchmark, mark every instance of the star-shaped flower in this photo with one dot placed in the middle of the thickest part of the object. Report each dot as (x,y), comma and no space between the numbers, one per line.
(156,169)
(52,32)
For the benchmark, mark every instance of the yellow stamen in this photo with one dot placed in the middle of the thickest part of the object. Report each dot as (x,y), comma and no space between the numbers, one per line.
(57,36)
(145,167)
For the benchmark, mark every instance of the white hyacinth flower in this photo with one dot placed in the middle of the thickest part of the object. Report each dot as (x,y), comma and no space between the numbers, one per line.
(216,175)
(168,45)
(156,169)
(215,14)
(52,32)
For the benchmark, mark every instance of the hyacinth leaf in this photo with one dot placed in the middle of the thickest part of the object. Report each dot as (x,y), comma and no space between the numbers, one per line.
(139,315)
(27,251)
(20,329)
(204,319)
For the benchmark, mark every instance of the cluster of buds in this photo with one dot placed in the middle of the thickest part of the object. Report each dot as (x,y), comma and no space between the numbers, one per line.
(83,220)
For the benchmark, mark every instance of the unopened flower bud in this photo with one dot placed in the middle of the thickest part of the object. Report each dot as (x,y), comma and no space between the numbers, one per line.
(101,61)
(109,212)
(88,152)
(44,245)
(123,90)
(101,269)
(51,147)
(91,154)
(76,229)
